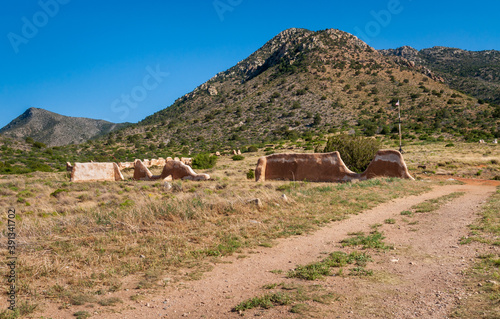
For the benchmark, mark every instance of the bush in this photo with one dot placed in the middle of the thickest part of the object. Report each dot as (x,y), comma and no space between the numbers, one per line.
(238,158)
(39,145)
(204,161)
(356,151)
(252,149)
(250,174)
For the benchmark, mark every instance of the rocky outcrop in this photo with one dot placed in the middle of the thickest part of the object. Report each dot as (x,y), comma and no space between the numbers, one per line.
(408,57)
(212,90)
(473,72)
(327,167)
(406,52)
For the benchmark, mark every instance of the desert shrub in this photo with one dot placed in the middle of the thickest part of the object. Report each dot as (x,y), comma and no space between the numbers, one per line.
(238,158)
(252,149)
(204,161)
(57,192)
(38,166)
(356,151)
(39,145)
(250,174)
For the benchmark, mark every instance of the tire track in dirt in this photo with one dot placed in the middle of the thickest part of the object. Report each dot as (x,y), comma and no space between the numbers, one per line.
(424,283)
(230,283)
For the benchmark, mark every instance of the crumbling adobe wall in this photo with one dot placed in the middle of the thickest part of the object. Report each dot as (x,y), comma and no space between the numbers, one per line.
(319,167)
(156,162)
(95,172)
(387,163)
(171,171)
(327,167)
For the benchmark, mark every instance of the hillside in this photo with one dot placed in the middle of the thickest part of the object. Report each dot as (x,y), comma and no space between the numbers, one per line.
(304,82)
(299,87)
(54,129)
(476,73)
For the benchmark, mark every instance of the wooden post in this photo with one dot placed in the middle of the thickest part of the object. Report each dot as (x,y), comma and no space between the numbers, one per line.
(399,116)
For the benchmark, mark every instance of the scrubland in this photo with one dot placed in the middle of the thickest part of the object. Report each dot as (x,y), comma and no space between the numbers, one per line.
(78,242)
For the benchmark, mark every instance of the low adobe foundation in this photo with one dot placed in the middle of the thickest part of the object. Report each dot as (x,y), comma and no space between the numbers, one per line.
(171,171)
(84,172)
(328,167)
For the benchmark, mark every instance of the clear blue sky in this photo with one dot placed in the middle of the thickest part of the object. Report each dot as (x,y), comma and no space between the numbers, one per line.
(124,60)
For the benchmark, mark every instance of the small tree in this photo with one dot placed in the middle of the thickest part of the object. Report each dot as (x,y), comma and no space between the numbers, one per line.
(317,119)
(204,161)
(356,151)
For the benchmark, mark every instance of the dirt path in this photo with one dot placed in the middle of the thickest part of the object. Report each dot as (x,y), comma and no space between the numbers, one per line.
(420,278)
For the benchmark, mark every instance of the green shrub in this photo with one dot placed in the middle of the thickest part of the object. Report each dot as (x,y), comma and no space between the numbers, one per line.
(57,192)
(238,158)
(356,151)
(39,145)
(252,149)
(204,161)
(251,174)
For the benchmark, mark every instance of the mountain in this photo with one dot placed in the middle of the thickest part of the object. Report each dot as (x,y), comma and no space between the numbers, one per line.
(298,87)
(476,73)
(54,129)
(304,82)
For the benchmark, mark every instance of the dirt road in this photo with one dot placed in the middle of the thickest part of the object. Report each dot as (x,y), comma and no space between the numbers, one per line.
(420,278)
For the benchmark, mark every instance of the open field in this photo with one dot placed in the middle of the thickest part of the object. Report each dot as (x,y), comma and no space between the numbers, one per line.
(100,246)
(460,160)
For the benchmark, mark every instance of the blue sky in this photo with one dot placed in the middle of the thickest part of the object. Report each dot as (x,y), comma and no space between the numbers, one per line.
(124,60)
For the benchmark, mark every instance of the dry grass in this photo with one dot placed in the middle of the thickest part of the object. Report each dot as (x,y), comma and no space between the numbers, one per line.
(462,160)
(78,241)
(483,279)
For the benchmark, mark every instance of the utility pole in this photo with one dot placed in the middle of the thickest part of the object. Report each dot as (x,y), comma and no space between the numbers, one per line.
(399,116)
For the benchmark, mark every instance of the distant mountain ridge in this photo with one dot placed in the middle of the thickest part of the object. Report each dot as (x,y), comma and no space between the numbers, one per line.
(307,82)
(476,73)
(54,129)
(299,84)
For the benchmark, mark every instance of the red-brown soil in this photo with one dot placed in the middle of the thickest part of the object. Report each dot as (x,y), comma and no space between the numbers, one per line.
(421,278)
